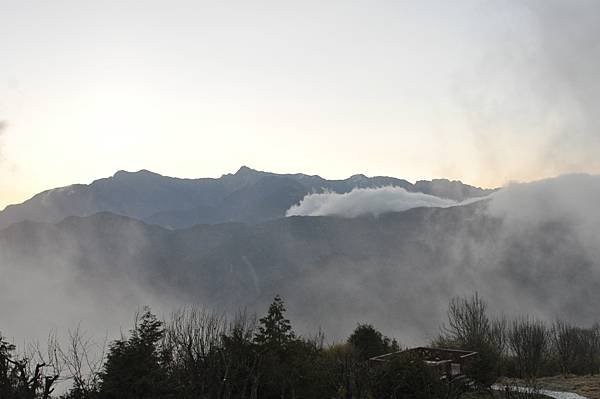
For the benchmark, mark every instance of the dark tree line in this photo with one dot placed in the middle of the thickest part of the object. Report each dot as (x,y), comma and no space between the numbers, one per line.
(198,354)
(524,347)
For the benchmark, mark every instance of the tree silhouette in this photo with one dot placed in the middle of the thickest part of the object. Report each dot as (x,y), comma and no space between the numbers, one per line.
(369,342)
(274,329)
(133,367)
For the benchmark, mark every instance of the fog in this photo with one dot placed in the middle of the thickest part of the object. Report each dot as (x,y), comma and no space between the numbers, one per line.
(42,294)
(564,198)
(529,248)
(570,200)
(524,248)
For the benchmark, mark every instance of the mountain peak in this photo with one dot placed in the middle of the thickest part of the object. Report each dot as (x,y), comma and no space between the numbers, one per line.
(141,172)
(358,177)
(244,170)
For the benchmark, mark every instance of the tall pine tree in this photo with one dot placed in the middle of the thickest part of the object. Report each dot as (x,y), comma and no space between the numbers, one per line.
(133,367)
(273,340)
(275,330)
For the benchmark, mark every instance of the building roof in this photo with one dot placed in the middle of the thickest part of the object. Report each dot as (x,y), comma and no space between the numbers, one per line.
(431,356)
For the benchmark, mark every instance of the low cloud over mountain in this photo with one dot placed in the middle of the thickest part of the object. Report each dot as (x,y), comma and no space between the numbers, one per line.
(366,201)
(248,196)
(569,197)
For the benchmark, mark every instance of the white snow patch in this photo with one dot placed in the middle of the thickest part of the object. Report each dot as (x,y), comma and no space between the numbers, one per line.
(552,394)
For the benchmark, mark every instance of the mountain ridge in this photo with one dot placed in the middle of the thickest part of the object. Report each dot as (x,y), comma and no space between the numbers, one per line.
(249,196)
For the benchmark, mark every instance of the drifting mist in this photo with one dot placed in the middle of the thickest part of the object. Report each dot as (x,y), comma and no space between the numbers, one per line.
(525,247)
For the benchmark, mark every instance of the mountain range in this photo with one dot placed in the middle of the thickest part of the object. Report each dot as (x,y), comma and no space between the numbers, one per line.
(128,240)
(247,196)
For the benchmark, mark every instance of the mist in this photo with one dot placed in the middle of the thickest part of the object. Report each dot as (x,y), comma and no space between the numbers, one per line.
(564,198)
(53,282)
(523,249)
(566,205)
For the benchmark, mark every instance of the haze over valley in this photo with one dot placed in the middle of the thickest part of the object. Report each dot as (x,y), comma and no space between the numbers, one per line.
(107,248)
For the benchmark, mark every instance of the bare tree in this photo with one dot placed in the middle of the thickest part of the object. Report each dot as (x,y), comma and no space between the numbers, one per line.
(192,344)
(498,337)
(35,373)
(468,322)
(590,343)
(83,359)
(529,342)
(469,327)
(565,340)
(576,349)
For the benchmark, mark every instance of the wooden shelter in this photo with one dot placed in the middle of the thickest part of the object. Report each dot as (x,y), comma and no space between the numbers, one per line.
(449,362)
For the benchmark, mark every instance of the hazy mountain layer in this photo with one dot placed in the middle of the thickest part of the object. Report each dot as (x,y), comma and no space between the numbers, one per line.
(397,270)
(246,196)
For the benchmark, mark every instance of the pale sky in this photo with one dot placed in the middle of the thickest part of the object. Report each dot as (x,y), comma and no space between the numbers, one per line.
(481,91)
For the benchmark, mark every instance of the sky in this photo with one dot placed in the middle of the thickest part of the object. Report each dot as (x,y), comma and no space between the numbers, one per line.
(486,92)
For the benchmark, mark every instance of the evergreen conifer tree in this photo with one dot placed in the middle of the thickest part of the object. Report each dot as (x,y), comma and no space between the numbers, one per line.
(133,367)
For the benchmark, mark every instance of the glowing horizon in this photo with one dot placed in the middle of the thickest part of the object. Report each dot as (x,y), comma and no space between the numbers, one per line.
(481,92)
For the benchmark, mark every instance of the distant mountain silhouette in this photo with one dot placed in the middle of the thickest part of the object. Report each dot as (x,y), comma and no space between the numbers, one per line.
(248,196)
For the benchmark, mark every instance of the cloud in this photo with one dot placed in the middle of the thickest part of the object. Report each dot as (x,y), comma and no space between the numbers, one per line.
(523,250)
(547,247)
(365,201)
(568,199)
(531,100)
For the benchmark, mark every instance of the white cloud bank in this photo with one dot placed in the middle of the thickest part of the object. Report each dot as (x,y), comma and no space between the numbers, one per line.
(569,199)
(572,197)
(365,201)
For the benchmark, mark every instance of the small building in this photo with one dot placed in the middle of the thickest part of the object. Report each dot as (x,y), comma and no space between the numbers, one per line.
(449,362)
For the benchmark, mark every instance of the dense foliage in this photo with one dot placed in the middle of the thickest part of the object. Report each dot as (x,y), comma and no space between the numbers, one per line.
(197,354)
